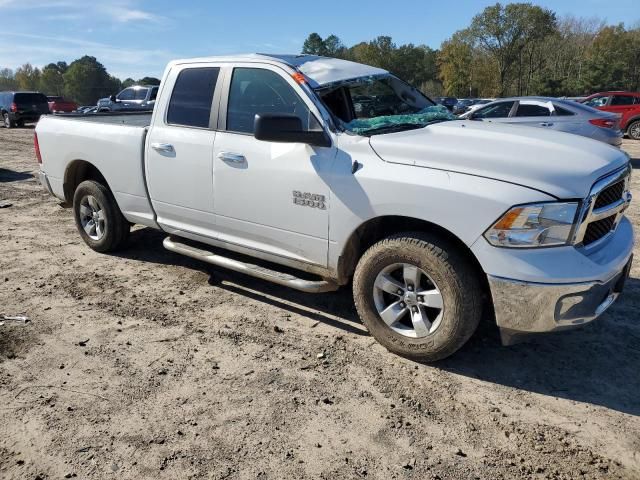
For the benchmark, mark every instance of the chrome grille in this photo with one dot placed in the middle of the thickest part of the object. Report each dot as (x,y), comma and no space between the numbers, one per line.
(598,229)
(603,208)
(610,194)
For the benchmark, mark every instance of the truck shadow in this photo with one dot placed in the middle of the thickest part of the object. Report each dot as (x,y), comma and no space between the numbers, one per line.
(597,364)
(335,309)
(7,175)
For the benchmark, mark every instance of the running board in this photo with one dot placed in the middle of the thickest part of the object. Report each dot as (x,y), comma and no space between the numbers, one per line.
(309,286)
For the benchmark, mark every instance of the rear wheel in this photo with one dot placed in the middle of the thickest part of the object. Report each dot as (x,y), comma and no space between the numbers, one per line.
(8,123)
(634,130)
(98,218)
(418,296)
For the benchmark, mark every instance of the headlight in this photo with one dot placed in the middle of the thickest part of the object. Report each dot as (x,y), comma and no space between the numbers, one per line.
(535,225)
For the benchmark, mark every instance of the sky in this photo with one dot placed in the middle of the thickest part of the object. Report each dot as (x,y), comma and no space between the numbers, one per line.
(136,38)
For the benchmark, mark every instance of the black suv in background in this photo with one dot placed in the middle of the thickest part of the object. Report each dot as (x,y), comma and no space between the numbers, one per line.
(17,108)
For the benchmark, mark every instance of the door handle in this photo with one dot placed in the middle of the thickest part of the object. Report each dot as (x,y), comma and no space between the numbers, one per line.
(546,124)
(231,157)
(163,147)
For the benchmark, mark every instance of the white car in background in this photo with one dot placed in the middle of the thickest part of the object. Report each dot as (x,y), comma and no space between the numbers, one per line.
(552,114)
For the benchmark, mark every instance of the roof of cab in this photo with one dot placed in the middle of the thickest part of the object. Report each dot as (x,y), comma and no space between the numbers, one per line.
(320,71)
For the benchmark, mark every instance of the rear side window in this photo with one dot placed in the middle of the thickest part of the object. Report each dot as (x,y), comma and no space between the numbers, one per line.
(622,100)
(497,110)
(190,103)
(154,94)
(532,110)
(30,98)
(256,90)
(562,112)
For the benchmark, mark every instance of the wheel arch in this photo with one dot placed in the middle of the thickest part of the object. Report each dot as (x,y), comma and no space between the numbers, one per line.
(632,120)
(378,228)
(78,171)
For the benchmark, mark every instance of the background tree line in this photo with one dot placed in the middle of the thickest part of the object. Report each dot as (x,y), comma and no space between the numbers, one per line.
(513,49)
(85,80)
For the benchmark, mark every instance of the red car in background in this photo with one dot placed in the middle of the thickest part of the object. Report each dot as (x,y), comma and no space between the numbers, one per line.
(59,104)
(626,104)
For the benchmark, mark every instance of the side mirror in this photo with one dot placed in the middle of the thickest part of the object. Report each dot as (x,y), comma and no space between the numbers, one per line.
(113,98)
(287,128)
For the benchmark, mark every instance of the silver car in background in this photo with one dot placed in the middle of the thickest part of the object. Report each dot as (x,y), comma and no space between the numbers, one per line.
(554,114)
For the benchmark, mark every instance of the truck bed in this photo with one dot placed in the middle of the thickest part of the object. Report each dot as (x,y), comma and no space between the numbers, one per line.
(112,143)
(131,119)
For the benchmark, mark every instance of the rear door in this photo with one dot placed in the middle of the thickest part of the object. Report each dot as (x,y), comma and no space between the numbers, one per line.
(533,113)
(624,105)
(179,148)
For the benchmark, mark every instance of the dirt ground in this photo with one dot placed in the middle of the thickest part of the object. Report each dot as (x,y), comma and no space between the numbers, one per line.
(146,364)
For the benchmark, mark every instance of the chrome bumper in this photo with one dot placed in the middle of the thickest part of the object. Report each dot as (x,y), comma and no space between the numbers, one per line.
(523,308)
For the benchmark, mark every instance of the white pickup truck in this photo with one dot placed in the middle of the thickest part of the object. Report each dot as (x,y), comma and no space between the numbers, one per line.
(344,173)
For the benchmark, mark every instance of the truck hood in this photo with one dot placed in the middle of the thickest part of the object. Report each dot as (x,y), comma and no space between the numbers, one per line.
(560,164)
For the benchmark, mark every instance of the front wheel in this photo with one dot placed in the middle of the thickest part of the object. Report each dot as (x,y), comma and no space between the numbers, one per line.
(98,218)
(418,296)
(634,130)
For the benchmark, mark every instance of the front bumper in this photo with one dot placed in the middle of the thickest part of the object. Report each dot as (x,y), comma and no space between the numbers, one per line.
(523,308)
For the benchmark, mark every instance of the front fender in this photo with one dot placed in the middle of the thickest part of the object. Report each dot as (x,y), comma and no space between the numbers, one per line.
(465,205)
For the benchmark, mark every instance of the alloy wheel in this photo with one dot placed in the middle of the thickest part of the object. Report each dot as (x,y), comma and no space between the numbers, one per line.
(408,300)
(92,217)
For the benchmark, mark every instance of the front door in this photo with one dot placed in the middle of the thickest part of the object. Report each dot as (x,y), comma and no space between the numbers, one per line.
(270,197)
(179,152)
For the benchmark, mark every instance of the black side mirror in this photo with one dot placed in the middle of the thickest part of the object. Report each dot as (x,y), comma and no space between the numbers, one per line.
(113,98)
(287,128)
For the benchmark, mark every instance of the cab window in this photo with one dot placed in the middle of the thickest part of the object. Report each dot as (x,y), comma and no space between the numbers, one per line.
(192,95)
(256,90)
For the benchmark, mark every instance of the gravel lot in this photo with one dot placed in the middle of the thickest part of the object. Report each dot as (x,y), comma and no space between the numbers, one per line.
(146,364)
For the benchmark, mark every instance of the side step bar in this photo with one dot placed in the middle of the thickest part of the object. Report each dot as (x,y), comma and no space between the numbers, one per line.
(309,286)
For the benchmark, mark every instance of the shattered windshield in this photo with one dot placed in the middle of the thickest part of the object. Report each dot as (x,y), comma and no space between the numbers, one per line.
(380,104)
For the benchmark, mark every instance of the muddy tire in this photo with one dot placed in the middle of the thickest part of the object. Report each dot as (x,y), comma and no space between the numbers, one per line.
(634,130)
(98,218)
(418,295)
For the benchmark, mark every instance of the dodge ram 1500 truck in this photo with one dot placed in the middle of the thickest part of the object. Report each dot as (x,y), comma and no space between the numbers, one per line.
(432,219)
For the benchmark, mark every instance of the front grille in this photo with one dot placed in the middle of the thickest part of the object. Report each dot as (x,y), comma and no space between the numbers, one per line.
(610,195)
(598,229)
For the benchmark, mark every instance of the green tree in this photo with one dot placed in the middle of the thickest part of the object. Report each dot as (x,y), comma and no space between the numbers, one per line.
(51,80)
(27,77)
(314,45)
(7,79)
(128,82)
(454,61)
(86,80)
(613,60)
(149,81)
(504,32)
(333,47)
